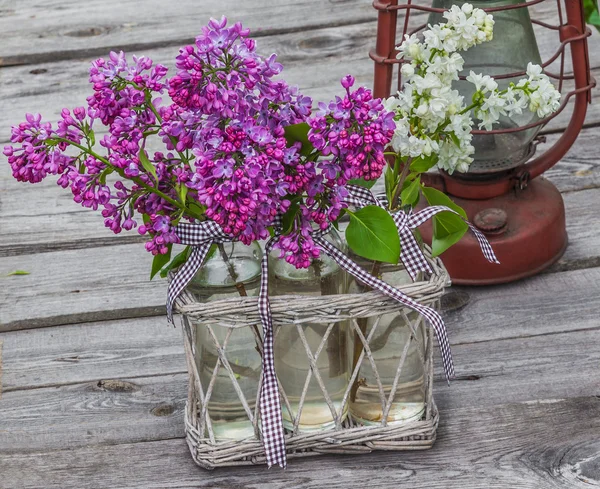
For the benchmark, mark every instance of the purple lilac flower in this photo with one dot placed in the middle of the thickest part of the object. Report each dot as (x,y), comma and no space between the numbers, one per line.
(353,132)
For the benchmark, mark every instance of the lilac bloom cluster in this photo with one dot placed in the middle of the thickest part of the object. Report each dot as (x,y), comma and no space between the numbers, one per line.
(352,133)
(227,156)
(231,113)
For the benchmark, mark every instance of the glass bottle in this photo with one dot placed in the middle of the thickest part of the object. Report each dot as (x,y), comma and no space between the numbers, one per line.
(393,336)
(228,264)
(512,48)
(322,277)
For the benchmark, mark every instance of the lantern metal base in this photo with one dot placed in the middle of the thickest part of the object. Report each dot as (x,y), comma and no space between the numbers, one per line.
(526,228)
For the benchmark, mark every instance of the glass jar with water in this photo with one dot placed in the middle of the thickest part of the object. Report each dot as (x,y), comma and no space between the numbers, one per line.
(231,269)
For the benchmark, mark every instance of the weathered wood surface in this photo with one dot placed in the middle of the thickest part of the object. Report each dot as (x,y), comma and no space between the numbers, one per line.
(63,30)
(98,404)
(105,410)
(58,291)
(314,59)
(500,447)
(26,210)
(147,346)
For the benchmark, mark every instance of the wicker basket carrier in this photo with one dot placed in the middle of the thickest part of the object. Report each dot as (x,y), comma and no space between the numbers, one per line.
(346,437)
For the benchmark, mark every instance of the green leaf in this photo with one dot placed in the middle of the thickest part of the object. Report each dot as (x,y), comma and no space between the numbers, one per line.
(373,234)
(146,163)
(361,182)
(182,191)
(160,261)
(423,163)
(435,197)
(299,133)
(146,219)
(410,195)
(454,138)
(17,272)
(179,260)
(448,228)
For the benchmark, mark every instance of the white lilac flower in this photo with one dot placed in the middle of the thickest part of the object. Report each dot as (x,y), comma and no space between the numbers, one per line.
(408,70)
(491,110)
(516,101)
(432,117)
(410,48)
(533,71)
(483,83)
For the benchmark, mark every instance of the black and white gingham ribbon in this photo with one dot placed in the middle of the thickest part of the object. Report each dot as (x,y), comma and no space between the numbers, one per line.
(202,235)
(411,254)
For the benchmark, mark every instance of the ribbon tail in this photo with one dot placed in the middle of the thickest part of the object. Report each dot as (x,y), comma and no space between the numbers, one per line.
(420,217)
(184,275)
(270,403)
(411,254)
(430,314)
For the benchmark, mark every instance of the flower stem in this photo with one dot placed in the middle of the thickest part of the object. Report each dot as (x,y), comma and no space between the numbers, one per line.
(358,345)
(240,288)
(395,198)
(136,180)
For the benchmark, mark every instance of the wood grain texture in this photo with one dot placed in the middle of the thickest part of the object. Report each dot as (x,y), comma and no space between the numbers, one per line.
(85,352)
(63,30)
(43,218)
(57,292)
(72,286)
(315,60)
(104,409)
(550,444)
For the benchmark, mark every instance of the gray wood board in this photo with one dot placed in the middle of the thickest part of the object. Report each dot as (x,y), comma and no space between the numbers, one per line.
(549,444)
(315,60)
(85,352)
(107,410)
(134,348)
(63,30)
(72,286)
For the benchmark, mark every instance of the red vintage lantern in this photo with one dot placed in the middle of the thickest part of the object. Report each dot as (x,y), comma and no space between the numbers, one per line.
(504,195)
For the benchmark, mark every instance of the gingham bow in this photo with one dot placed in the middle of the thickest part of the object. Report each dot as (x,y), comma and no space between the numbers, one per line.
(202,235)
(411,254)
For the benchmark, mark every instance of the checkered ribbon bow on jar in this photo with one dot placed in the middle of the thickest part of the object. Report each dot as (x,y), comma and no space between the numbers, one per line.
(202,235)
(411,254)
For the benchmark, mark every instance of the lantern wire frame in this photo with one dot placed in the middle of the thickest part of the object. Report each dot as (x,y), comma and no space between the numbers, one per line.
(572,32)
(561,76)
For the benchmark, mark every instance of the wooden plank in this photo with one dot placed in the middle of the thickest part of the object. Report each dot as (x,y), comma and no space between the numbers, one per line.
(74,286)
(313,60)
(115,282)
(544,304)
(62,30)
(124,410)
(103,411)
(474,316)
(85,352)
(42,217)
(527,446)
